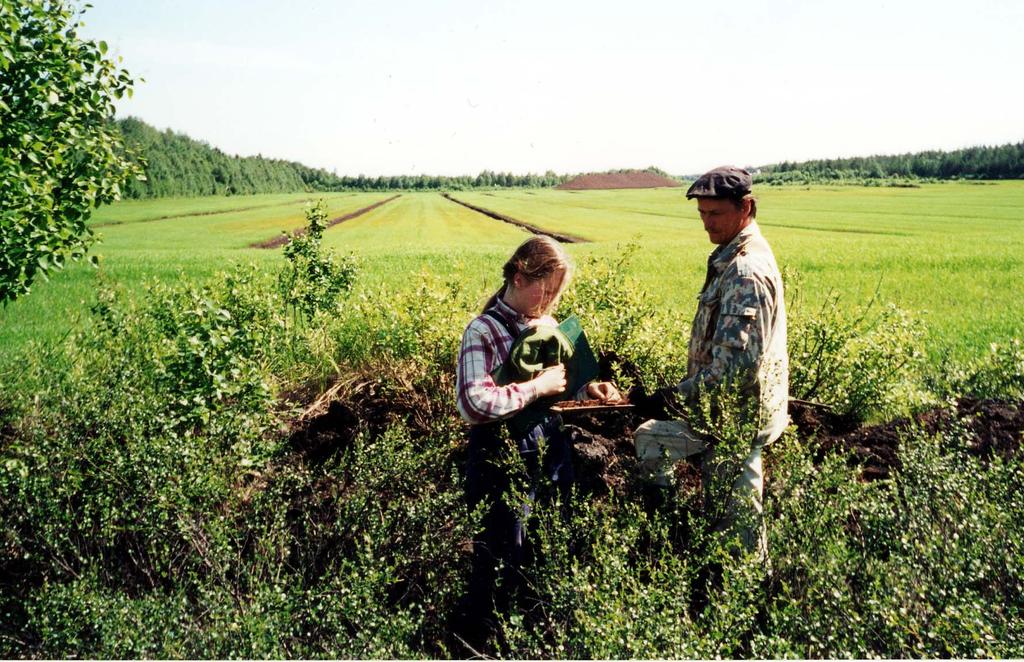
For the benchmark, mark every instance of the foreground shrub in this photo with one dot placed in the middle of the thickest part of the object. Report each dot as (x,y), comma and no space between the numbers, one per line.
(125,459)
(624,326)
(154,504)
(997,374)
(367,548)
(861,362)
(926,565)
(313,278)
(144,480)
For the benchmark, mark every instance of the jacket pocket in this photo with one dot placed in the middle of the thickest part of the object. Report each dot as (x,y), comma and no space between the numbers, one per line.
(735,326)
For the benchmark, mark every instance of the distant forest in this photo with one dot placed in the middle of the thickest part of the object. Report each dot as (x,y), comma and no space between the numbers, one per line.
(1000,162)
(176,165)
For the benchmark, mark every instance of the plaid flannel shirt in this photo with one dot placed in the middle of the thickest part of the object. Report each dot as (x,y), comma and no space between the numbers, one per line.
(485,346)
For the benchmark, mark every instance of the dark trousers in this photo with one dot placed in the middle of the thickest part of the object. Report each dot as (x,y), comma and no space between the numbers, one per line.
(500,549)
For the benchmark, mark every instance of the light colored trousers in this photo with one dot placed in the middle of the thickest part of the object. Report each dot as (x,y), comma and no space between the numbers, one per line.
(660,444)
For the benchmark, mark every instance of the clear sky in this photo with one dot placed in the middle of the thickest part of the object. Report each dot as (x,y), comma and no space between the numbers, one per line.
(449,88)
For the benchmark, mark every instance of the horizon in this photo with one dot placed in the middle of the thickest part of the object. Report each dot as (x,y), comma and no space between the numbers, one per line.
(456,89)
(753,169)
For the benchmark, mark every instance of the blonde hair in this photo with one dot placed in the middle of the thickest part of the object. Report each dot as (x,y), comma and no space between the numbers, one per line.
(536,258)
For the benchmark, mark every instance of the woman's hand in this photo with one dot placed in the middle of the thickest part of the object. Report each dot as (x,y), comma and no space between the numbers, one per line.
(606,392)
(550,381)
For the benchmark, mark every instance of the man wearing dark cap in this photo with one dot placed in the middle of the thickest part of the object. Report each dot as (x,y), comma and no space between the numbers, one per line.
(738,339)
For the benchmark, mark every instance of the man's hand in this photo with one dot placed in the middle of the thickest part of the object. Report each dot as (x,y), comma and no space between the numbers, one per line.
(606,392)
(654,405)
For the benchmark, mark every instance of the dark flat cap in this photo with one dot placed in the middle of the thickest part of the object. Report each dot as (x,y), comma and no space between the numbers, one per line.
(722,182)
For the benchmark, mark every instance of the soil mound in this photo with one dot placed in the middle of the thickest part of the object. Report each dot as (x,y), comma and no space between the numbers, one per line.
(606,462)
(993,427)
(604,453)
(333,420)
(612,180)
(328,433)
(602,444)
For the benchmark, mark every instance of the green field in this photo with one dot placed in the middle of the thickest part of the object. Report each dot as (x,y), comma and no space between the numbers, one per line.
(138,242)
(273,468)
(136,211)
(952,253)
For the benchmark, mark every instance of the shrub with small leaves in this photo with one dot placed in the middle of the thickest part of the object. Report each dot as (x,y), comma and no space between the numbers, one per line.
(642,341)
(314,280)
(152,504)
(861,362)
(997,374)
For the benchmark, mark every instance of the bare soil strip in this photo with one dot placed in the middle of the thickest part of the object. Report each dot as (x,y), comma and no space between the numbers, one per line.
(201,213)
(283,239)
(564,238)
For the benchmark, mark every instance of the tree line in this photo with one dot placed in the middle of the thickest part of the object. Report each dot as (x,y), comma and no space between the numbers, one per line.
(177,165)
(983,162)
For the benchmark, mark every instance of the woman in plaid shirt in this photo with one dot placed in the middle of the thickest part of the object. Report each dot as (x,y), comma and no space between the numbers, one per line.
(535,277)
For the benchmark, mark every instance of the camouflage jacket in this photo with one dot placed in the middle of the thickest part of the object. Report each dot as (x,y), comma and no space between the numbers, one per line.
(739,330)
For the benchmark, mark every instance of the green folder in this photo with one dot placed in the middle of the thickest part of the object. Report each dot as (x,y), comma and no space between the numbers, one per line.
(582,367)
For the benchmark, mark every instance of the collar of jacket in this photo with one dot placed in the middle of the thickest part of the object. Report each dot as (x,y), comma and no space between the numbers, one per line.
(508,312)
(722,256)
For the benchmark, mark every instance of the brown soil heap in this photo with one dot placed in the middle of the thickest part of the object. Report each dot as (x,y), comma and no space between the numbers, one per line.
(608,180)
(604,452)
(992,427)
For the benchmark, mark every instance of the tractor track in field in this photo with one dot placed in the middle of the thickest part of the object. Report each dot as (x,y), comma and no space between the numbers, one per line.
(200,213)
(557,236)
(283,239)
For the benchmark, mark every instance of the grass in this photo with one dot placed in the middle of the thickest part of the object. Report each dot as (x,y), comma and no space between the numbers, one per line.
(423,223)
(133,251)
(229,230)
(951,253)
(135,211)
(600,216)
